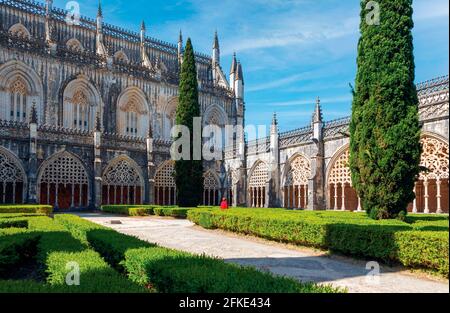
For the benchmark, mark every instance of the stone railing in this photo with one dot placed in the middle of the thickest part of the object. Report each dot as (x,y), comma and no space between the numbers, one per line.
(296,137)
(336,128)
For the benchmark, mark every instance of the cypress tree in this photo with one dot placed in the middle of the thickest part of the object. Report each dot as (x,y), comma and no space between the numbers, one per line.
(188,173)
(385,130)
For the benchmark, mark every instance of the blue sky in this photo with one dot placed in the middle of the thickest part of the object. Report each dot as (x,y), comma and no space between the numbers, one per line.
(292,50)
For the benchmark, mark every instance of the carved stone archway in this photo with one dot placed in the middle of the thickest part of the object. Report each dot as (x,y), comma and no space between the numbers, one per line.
(13,180)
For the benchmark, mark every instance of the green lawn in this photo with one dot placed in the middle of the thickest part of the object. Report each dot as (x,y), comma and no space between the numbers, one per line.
(420,242)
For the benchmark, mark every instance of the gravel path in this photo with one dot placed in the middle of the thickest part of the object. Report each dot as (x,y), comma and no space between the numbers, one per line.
(300,263)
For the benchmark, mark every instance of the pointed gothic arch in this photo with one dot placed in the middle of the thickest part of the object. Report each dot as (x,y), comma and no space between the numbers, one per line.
(296,181)
(341,194)
(75,45)
(257,184)
(121,57)
(63,182)
(169,117)
(432,193)
(19,30)
(123,182)
(20,89)
(81,104)
(211,189)
(133,113)
(165,186)
(13,178)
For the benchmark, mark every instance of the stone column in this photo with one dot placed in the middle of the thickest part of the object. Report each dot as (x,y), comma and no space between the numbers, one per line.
(273,187)
(439,196)
(151,168)
(316,186)
(426,197)
(98,192)
(32,161)
(415,199)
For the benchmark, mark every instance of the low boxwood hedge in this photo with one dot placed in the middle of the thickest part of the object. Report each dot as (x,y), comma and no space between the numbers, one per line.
(147,210)
(39,209)
(352,234)
(173,271)
(56,248)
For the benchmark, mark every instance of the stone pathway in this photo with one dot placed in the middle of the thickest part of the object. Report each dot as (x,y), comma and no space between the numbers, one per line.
(302,264)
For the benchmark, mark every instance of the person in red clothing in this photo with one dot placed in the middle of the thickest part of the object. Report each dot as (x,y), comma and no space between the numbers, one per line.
(224,204)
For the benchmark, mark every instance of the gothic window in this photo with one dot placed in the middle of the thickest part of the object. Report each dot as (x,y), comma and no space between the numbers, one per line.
(64,183)
(81,110)
(211,191)
(19,30)
(12,180)
(341,194)
(165,187)
(122,184)
(296,185)
(257,185)
(133,117)
(18,101)
(432,188)
(120,57)
(81,104)
(74,45)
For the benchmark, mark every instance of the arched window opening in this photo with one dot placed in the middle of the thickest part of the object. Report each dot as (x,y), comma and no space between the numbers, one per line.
(165,187)
(12,180)
(122,184)
(211,191)
(341,194)
(64,183)
(257,186)
(432,187)
(18,101)
(296,185)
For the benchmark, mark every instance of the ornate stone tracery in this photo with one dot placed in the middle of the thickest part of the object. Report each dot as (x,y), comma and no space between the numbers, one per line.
(12,179)
(435,157)
(63,182)
(296,184)
(341,194)
(165,187)
(257,185)
(74,45)
(432,188)
(211,189)
(19,30)
(122,183)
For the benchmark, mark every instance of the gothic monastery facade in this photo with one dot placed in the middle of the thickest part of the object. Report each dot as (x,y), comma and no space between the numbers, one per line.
(86,110)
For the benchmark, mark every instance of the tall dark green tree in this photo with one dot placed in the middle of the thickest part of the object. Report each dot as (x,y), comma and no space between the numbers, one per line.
(385,129)
(188,173)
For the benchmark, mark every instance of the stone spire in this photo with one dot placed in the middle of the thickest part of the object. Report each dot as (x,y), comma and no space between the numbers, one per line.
(48,22)
(239,82)
(100,11)
(144,57)
(274,119)
(143,30)
(180,46)
(239,73)
(318,116)
(33,115)
(98,123)
(216,50)
(233,71)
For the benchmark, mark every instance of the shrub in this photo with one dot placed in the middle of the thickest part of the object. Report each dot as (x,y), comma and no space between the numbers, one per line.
(13,223)
(129,210)
(348,233)
(57,248)
(39,209)
(175,271)
(15,247)
(172,212)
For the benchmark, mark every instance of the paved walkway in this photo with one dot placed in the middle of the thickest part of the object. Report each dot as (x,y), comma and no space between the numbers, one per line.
(302,264)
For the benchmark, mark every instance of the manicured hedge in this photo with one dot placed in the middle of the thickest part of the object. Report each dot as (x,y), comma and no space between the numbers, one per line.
(174,271)
(139,210)
(129,210)
(352,234)
(39,209)
(55,248)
